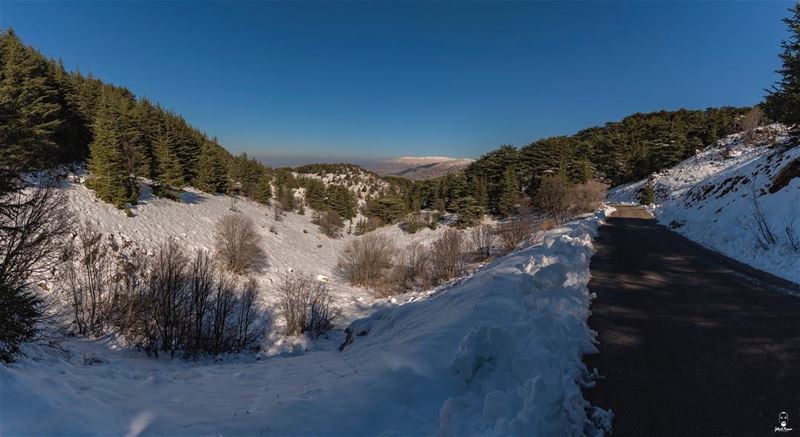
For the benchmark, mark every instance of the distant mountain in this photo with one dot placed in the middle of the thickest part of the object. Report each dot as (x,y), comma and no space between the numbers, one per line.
(419,167)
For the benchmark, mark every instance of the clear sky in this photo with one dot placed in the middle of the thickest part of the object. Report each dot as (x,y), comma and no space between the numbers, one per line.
(340,81)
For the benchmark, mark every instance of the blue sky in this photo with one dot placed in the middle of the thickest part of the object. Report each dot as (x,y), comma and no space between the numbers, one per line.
(312,81)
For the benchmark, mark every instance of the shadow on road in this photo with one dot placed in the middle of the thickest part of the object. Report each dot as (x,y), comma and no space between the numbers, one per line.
(691,343)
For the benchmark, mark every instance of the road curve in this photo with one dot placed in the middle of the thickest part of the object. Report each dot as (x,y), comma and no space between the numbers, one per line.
(691,343)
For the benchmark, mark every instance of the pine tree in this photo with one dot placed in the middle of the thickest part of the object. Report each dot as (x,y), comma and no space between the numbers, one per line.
(106,160)
(508,197)
(264,191)
(783,100)
(28,104)
(169,168)
(212,173)
(648,195)
(468,210)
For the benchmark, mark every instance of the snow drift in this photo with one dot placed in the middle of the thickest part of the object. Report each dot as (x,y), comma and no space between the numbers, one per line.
(498,353)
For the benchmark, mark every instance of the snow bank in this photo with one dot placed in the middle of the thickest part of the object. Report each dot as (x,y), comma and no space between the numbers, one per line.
(709,199)
(498,353)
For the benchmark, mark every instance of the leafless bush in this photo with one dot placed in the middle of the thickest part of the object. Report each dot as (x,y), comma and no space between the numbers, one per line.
(329,222)
(790,229)
(306,305)
(552,197)
(447,256)
(277,209)
(366,259)
(34,219)
(413,270)
(238,244)
(364,225)
(759,226)
(87,274)
(513,232)
(750,123)
(177,304)
(483,237)
(588,196)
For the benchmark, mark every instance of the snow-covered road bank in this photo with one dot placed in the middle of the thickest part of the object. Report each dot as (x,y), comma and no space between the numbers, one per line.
(713,198)
(498,353)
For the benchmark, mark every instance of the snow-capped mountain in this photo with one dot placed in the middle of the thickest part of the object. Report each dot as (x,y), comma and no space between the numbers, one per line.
(420,167)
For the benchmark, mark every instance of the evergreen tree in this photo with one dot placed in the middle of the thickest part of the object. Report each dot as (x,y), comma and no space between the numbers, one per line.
(28,104)
(783,100)
(169,168)
(468,210)
(212,173)
(508,196)
(264,191)
(106,160)
(19,313)
(648,195)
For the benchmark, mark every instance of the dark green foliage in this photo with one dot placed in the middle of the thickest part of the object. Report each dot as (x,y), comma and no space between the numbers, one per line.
(166,192)
(168,167)
(263,192)
(783,100)
(212,172)
(618,152)
(109,177)
(508,194)
(19,313)
(329,222)
(29,105)
(387,209)
(335,197)
(647,196)
(468,210)
(50,116)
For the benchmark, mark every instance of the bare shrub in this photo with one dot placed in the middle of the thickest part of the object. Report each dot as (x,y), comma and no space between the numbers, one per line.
(33,221)
(306,305)
(759,226)
(277,209)
(483,237)
(238,244)
(366,260)
(364,225)
(587,197)
(552,197)
(188,306)
(447,256)
(329,222)
(87,275)
(413,270)
(167,284)
(750,123)
(512,233)
(790,229)
(547,224)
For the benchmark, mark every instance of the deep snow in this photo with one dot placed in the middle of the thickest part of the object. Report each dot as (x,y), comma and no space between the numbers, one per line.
(709,199)
(499,352)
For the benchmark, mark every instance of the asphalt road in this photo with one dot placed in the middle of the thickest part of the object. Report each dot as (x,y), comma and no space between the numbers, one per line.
(691,343)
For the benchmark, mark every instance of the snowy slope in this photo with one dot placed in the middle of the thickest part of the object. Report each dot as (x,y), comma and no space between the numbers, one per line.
(296,245)
(497,353)
(709,199)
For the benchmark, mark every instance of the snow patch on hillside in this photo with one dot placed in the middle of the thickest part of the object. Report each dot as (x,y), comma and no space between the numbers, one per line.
(709,199)
(292,244)
(499,352)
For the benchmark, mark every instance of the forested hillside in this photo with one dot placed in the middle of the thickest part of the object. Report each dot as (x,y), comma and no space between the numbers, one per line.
(52,116)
